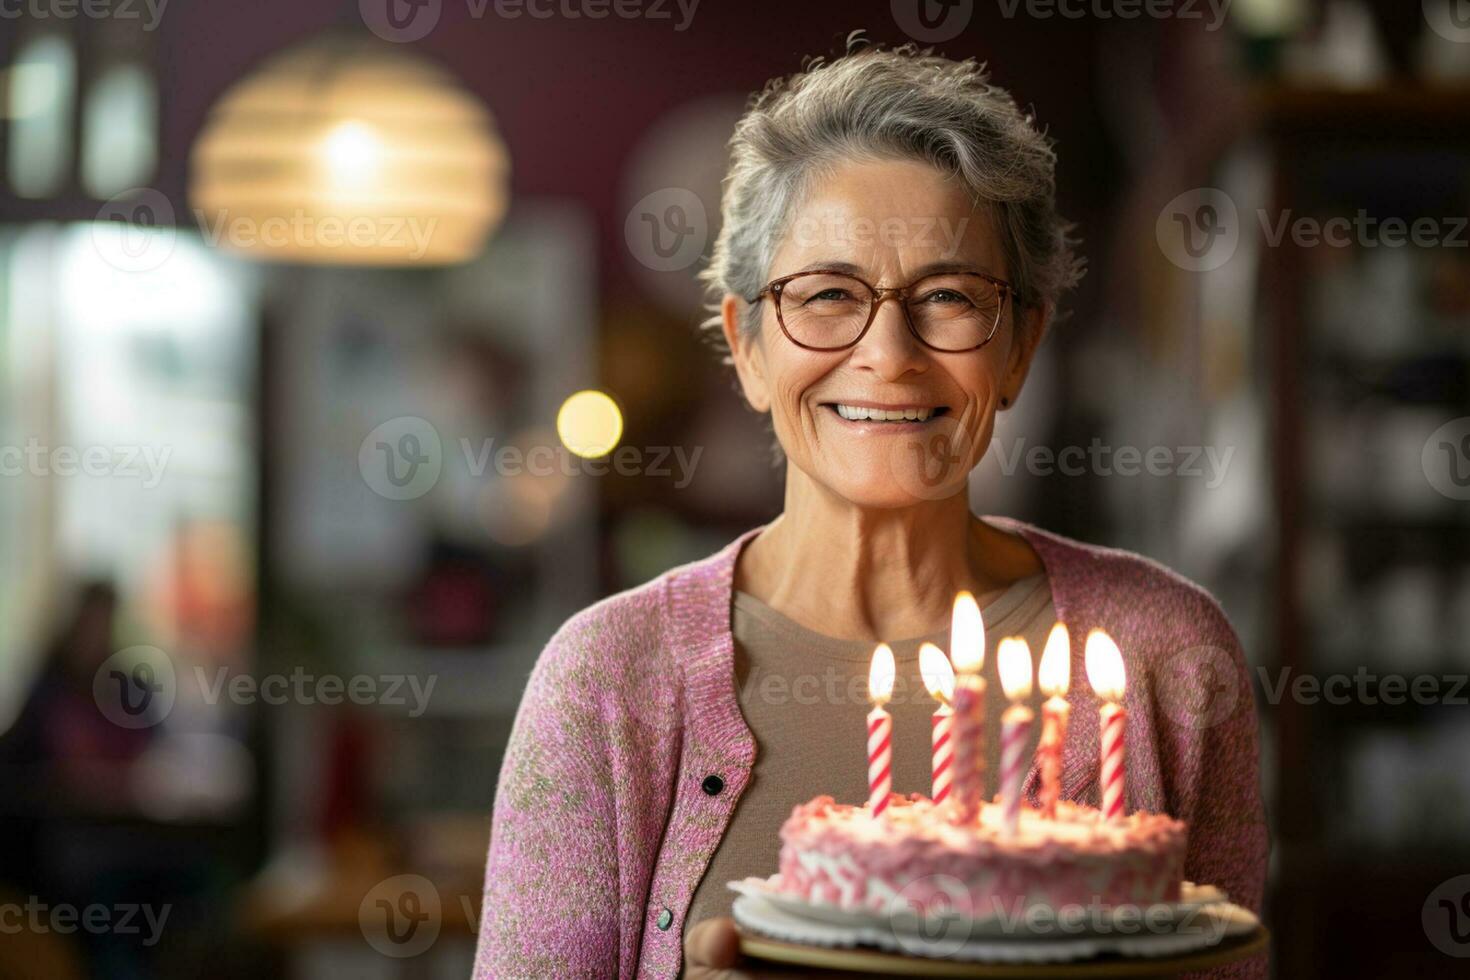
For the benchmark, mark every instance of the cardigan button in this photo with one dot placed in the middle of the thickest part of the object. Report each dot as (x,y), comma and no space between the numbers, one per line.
(665,919)
(712,784)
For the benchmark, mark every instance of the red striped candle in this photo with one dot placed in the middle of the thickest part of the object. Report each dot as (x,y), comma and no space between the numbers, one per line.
(880,731)
(1013,658)
(1055,676)
(1054,716)
(967,650)
(939,679)
(943,722)
(1106,674)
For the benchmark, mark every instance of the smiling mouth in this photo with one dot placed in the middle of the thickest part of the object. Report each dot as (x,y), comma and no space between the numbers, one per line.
(896,415)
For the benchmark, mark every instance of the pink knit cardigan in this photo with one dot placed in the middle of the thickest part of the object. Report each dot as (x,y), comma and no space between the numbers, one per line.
(605,816)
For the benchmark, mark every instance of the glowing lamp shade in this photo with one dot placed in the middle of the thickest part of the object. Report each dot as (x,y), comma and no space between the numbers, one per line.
(1013,660)
(880,675)
(1104,666)
(937,673)
(345,151)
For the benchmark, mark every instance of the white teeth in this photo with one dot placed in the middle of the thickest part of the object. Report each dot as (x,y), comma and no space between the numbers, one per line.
(859,413)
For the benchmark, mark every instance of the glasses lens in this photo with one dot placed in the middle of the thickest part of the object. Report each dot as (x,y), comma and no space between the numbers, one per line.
(824,309)
(955,312)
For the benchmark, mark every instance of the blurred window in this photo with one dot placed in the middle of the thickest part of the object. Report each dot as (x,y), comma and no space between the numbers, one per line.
(40,93)
(119,131)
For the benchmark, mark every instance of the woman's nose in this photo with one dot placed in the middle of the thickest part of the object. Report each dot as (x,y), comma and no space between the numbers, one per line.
(889,347)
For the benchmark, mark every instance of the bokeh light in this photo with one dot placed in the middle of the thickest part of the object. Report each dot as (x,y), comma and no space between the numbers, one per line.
(590,423)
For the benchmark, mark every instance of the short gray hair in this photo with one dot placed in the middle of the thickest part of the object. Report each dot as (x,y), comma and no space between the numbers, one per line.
(875,103)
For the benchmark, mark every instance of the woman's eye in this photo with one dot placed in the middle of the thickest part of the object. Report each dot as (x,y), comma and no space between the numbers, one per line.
(830,295)
(945,296)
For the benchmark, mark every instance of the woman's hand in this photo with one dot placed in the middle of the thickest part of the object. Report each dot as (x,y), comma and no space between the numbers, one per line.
(712,952)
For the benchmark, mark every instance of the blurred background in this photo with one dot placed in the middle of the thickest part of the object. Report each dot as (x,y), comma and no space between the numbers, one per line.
(346,349)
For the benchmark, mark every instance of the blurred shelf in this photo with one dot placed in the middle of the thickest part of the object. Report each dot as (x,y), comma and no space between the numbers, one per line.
(1352,509)
(1417,867)
(1437,377)
(1397,106)
(1409,713)
(482,682)
(1360,519)
(310,896)
(1343,356)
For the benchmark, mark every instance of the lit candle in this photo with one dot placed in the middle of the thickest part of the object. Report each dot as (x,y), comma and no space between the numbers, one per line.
(1105,673)
(939,679)
(880,731)
(1055,675)
(1013,658)
(967,651)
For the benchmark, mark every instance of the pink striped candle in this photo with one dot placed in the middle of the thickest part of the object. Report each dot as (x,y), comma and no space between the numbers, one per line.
(1055,677)
(880,731)
(1114,720)
(939,679)
(967,650)
(1106,674)
(1013,658)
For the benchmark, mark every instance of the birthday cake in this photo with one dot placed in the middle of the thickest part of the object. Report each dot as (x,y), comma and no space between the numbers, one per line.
(914,854)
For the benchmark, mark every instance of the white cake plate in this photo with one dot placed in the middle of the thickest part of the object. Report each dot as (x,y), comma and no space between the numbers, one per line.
(1195,925)
(1172,916)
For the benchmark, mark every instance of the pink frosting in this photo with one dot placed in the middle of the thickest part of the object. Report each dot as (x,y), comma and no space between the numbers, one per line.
(838,854)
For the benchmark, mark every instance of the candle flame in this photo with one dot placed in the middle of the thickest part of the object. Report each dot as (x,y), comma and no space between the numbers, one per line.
(937,673)
(880,675)
(1013,657)
(1055,672)
(1105,666)
(967,635)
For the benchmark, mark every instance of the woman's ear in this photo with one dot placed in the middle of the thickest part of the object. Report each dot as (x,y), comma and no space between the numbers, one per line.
(1030,327)
(745,353)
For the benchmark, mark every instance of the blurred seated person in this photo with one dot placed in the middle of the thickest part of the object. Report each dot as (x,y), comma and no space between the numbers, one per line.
(62,752)
(73,831)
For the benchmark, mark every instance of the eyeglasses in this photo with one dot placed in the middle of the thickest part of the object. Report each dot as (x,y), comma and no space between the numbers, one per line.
(951,312)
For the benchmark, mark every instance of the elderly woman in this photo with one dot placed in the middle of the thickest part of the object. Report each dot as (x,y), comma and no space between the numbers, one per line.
(889,260)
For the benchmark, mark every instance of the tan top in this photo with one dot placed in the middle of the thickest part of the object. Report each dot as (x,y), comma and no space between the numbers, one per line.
(805,697)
